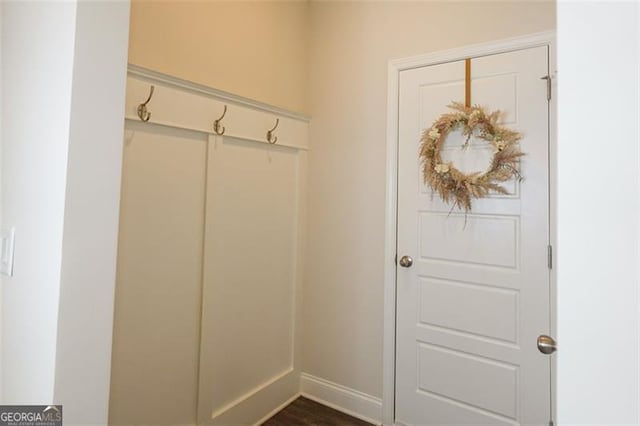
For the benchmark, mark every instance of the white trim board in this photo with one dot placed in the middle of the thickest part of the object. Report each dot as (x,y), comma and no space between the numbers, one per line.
(146,73)
(184,105)
(349,401)
(257,405)
(277,410)
(474,51)
(395,66)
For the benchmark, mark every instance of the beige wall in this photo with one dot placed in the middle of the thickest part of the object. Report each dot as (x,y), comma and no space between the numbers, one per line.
(350,45)
(256,49)
(328,59)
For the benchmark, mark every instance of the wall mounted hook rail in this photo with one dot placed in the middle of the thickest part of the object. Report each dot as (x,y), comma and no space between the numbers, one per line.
(270,137)
(142,108)
(216,124)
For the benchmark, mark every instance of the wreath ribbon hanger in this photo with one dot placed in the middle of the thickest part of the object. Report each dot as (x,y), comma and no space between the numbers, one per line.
(453,185)
(467,82)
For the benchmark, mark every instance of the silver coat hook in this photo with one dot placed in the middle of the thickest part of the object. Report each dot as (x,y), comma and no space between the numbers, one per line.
(142,108)
(216,124)
(270,137)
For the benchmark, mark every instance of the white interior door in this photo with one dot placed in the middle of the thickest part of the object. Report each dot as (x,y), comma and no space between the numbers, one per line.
(471,307)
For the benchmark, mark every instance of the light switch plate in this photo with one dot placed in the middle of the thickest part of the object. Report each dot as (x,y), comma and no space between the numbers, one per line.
(7,243)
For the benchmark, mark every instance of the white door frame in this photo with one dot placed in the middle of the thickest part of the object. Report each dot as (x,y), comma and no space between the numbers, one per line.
(390,243)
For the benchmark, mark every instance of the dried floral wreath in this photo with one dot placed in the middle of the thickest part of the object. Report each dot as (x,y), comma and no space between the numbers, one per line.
(451,183)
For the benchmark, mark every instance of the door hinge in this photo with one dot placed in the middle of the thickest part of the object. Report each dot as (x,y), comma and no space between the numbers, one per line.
(548,79)
(550,422)
(550,256)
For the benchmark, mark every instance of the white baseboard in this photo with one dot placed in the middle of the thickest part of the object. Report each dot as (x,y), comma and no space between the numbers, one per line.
(277,410)
(258,405)
(342,398)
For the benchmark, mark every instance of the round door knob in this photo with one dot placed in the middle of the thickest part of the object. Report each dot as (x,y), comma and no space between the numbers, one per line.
(406,261)
(546,344)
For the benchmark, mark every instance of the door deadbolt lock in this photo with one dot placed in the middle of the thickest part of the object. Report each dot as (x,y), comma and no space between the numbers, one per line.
(406,261)
(546,344)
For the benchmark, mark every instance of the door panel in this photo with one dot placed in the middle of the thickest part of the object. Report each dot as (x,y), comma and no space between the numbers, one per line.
(444,304)
(446,372)
(470,308)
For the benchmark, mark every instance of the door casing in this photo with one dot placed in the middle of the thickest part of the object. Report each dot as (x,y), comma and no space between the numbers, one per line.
(395,66)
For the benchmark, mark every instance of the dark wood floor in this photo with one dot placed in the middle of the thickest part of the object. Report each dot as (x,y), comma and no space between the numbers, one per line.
(303,411)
